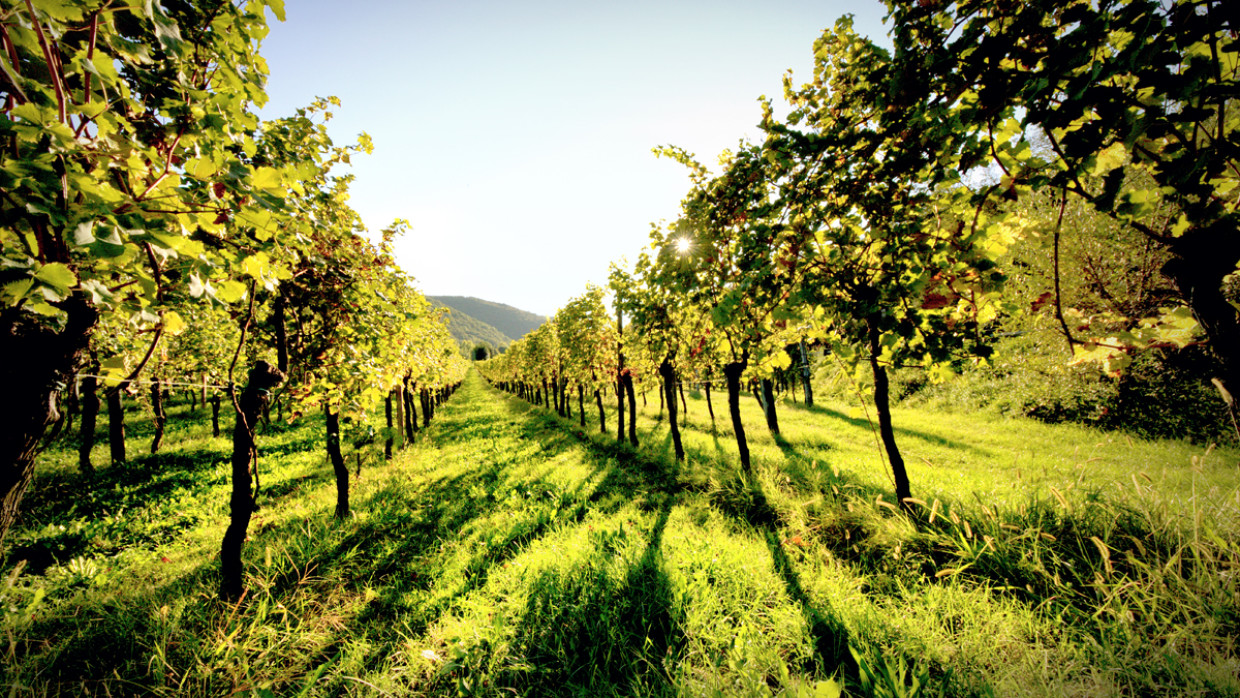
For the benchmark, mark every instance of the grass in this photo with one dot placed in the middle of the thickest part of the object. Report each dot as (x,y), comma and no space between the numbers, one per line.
(509,551)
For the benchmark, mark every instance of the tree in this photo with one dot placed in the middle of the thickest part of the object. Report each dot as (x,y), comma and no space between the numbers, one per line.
(588,342)
(1115,86)
(262,379)
(739,268)
(663,315)
(886,239)
(116,125)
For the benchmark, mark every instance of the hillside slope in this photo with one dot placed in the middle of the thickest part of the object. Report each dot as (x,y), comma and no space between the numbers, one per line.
(469,331)
(510,321)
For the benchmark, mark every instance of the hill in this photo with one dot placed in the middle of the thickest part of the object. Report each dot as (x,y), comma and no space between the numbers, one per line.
(509,321)
(469,331)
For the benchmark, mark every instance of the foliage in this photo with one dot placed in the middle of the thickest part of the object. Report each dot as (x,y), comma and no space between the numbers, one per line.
(885,234)
(587,340)
(1136,95)
(119,154)
(130,186)
(1160,395)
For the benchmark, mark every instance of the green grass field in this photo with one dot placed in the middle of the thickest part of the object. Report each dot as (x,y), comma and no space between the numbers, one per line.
(511,552)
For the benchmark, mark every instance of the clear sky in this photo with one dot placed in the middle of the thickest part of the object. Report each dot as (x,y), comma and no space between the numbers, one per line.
(516,137)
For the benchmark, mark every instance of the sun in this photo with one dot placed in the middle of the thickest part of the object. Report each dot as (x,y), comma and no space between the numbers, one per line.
(683,245)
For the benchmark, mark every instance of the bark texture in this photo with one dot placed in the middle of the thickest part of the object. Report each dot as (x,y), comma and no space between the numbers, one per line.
(38,363)
(732,374)
(89,396)
(883,407)
(768,406)
(263,377)
(116,424)
(161,417)
(669,388)
(338,465)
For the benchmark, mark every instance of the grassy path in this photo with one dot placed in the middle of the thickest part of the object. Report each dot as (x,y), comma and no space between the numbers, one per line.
(507,552)
(557,565)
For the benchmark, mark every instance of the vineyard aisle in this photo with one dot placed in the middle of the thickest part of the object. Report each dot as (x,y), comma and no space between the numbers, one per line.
(501,549)
(562,563)
(509,549)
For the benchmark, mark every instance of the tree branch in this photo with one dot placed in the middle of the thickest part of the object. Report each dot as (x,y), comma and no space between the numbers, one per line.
(1067,333)
(53,66)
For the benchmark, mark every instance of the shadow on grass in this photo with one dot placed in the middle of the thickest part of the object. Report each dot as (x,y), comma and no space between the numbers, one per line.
(589,634)
(859,422)
(829,634)
(423,550)
(616,658)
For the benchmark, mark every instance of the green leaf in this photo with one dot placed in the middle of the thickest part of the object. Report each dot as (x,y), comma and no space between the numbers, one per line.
(1110,158)
(99,292)
(167,32)
(173,323)
(256,266)
(201,168)
(101,65)
(268,179)
(45,309)
(33,113)
(277,7)
(59,10)
(14,291)
(143,317)
(780,360)
(940,373)
(178,244)
(1137,204)
(57,275)
(113,369)
(230,291)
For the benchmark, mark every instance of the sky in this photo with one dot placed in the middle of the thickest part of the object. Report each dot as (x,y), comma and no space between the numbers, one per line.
(516,137)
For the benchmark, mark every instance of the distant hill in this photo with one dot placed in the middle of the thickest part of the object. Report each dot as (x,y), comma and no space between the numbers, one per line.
(470,332)
(511,322)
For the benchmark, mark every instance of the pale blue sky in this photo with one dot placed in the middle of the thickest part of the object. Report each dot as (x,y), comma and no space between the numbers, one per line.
(516,136)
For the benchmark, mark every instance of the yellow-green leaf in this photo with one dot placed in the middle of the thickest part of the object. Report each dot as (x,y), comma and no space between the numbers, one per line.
(56,275)
(173,324)
(230,291)
(1109,158)
(201,168)
(268,179)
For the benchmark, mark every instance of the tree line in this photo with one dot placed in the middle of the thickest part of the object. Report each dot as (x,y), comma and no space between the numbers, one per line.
(878,215)
(155,231)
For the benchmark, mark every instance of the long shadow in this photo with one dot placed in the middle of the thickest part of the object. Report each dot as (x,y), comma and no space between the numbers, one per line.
(398,549)
(107,633)
(921,435)
(612,627)
(749,504)
(790,450)
(94,507)
(100,500)
(446,511)
(829,634)
(589,634)
(639,469)
(412,586)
